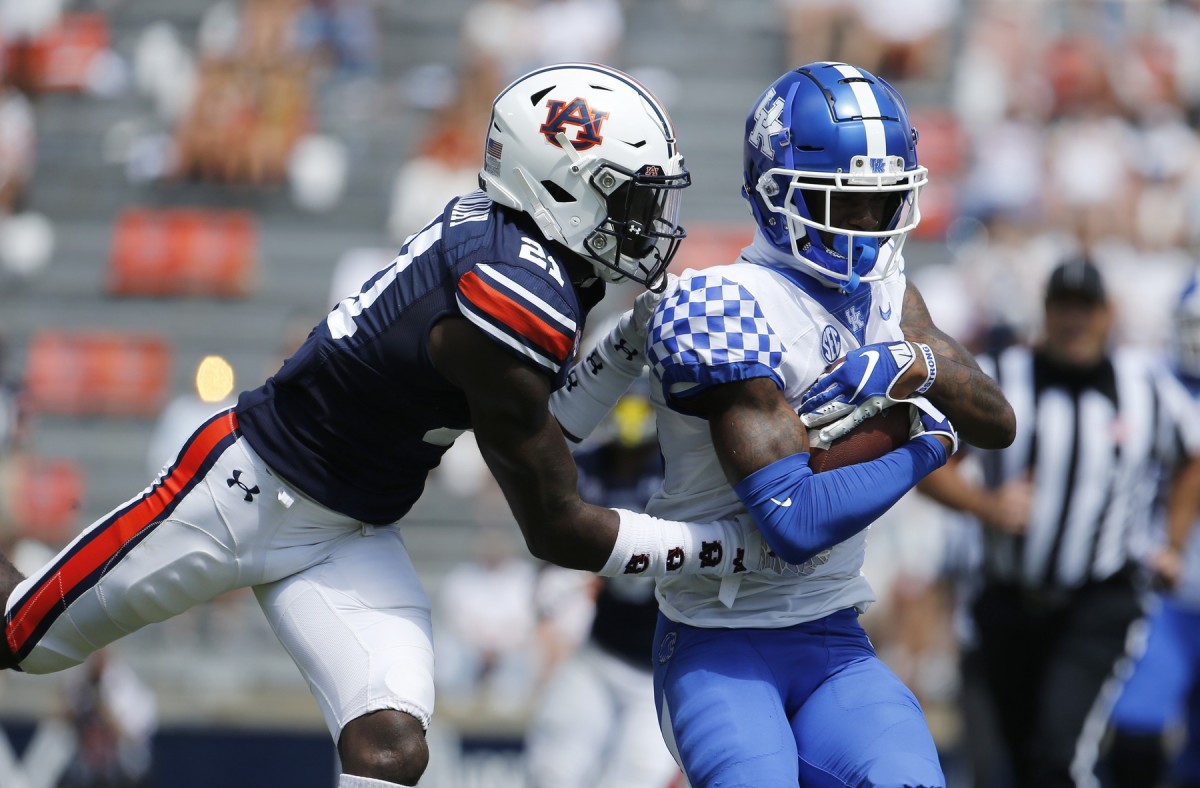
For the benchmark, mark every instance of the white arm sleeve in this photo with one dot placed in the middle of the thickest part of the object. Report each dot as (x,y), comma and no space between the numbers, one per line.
(651,547)
(596,383)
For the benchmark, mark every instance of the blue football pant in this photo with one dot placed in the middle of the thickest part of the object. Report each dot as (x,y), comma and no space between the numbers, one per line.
(809,705)
(1164,688)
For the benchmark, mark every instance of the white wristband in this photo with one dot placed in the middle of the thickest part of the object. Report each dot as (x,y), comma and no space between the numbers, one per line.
(649,547)
(596,383)
(930,363)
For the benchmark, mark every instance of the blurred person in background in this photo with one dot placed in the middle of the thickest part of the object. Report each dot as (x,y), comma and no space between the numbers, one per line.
(499,39)
(485,628)
(1163,693)
(298,491)
(595,726)
(15,541)
(252,102)
(1062,509)
(18,145)
(445,163)
(114,717)
(342,35)
(14,421)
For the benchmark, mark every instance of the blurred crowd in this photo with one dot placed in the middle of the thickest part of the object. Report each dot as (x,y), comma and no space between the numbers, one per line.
(1052,129)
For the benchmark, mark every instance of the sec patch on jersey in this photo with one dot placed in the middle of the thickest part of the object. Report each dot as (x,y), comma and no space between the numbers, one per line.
(887,430)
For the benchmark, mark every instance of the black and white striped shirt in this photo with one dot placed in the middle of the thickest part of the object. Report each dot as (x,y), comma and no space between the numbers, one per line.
(1095,445)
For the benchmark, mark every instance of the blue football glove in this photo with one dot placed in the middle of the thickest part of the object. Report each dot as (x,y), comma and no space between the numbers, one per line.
(866,372)
(928,420)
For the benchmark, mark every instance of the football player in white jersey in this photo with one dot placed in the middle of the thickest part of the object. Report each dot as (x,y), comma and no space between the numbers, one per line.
(766,678)
(299,490)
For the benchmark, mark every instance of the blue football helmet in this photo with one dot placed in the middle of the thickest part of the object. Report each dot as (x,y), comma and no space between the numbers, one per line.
(818,136)
(1185,333)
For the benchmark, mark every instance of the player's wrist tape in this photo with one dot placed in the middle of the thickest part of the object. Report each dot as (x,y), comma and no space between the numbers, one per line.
(931,363)
(596,383)
(800,513)
(650,547)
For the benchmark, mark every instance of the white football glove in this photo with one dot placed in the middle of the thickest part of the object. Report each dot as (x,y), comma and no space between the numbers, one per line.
(847,416)
(635,323)
(606,371)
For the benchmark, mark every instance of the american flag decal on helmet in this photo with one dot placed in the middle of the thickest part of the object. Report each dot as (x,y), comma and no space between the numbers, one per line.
(491,155)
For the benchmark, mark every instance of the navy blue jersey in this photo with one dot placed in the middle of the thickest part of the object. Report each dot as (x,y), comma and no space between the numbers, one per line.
(358,416)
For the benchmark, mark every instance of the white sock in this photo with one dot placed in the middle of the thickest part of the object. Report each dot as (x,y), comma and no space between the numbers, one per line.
(354,781)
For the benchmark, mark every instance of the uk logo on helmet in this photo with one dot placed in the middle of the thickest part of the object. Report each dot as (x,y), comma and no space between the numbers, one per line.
(576,112)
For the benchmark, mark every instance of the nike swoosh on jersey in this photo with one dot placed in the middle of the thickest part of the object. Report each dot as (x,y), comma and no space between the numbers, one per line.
(786,502)
(872,360)
(886,315)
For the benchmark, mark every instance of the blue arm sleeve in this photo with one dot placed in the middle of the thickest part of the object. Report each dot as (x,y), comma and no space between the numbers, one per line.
(801,513)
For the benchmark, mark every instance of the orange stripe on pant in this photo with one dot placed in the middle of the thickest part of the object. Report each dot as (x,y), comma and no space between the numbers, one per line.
(107,539)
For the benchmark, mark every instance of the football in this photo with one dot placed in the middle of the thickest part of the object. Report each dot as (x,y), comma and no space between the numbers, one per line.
(870,440)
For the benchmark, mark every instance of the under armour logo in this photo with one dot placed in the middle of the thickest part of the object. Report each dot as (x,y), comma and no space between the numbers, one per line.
(237,481)
(625,348)
(594,363)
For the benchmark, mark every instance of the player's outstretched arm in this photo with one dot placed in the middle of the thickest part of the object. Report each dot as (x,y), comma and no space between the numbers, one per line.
(526,452)
(524,447)
(971,399)
(763,449)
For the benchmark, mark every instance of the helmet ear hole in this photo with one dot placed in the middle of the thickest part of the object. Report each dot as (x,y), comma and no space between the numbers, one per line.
(557,192)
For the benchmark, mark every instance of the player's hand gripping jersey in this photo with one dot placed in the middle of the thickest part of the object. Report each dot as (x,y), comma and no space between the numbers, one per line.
(736,322)
(396,416)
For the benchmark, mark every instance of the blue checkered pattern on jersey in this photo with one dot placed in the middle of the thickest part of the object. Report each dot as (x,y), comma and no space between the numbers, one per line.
(712,331)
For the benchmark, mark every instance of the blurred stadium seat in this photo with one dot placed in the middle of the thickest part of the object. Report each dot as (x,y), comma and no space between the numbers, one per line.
(942,147)
(51,490)
(183,252)
(86,373)
(59,59)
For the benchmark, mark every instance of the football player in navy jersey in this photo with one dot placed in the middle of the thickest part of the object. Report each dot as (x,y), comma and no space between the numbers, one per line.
(766,678)
(297,490)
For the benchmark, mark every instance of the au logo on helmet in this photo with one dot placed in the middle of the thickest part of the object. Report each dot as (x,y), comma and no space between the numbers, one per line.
(576,112)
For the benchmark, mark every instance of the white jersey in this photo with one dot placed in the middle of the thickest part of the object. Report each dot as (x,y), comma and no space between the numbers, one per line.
(736,322)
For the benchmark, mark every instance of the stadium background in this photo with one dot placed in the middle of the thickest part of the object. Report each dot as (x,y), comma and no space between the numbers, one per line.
(1045,124)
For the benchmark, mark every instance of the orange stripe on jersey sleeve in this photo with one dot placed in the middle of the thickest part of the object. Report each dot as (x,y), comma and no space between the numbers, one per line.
(109,539)
(516,316)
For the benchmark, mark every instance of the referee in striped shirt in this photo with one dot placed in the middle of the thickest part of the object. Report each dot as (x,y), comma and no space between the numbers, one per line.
(1097,429)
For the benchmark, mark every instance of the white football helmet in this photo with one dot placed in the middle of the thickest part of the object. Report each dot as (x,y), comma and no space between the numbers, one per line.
(1185,335)
(589,153)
